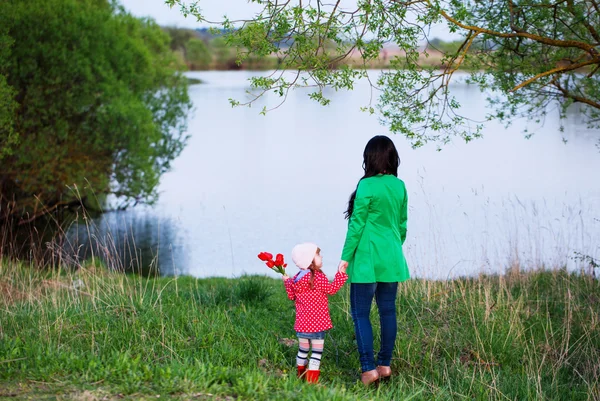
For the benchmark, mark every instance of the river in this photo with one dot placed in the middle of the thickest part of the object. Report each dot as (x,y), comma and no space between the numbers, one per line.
(248,183)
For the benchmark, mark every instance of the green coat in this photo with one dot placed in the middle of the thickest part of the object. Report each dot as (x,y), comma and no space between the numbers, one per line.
(376,231)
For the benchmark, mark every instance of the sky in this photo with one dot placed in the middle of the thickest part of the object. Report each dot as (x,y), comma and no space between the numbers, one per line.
(214,10)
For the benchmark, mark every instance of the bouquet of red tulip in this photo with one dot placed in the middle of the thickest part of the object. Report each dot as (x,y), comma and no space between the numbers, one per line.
(277,265)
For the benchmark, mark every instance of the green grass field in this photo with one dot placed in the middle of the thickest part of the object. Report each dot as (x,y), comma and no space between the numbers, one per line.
(95,335)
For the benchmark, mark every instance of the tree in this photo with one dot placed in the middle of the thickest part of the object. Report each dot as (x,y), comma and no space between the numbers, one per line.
(179,38)
(7,102)
(536,53)
(100,105)
(224,56)
(450,48)
(198,54)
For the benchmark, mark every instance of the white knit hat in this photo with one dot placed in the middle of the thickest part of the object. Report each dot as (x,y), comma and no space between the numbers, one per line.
(304,254)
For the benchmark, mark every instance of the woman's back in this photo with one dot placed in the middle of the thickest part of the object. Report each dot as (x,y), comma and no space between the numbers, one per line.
(373,253)
(388,198)
(377,230)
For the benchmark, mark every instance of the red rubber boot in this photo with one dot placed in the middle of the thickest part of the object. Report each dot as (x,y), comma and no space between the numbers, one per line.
(312,376)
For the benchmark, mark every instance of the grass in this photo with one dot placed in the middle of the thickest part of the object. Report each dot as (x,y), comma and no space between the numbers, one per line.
(97,335)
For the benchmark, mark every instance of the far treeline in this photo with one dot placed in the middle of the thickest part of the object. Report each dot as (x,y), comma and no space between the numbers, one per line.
(208,49)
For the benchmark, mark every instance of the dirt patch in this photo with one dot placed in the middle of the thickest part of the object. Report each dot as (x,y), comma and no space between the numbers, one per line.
(289,342)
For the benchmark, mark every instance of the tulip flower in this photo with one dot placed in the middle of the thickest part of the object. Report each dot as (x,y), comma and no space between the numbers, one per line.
(279,259)
(277,265)
(265,256)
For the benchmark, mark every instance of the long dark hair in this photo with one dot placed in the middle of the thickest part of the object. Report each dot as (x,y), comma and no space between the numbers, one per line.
(380,157)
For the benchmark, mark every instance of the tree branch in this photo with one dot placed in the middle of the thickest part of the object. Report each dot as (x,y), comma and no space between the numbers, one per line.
(589,27)
(595,5)
(557,70)
(463,50)
(550,42)
(576,98)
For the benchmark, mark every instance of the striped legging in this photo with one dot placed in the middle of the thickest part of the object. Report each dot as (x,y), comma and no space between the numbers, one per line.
(304,346)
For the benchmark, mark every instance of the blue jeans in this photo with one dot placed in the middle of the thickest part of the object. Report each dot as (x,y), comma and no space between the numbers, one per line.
(361,298)
(319,335)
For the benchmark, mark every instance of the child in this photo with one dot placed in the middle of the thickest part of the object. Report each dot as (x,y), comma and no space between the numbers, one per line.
(309,288)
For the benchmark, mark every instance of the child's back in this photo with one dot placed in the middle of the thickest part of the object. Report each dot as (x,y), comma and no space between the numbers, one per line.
(309,289)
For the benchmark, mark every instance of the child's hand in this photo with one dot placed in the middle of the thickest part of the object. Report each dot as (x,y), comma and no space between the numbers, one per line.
(285,277)
(342,266)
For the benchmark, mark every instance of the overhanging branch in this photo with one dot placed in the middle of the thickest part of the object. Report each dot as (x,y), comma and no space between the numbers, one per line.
(541,39)
(557,70)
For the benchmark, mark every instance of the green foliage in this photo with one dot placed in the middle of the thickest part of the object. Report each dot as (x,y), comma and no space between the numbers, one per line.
(562,37)
(101,106)
(223,55)
(533,54)
(210,50)
(451,48)
(8,136)
(533,335)
(198,54)
(179,37)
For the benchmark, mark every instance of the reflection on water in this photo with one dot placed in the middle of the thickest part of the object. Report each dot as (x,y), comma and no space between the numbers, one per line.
(129,242)
(248,183)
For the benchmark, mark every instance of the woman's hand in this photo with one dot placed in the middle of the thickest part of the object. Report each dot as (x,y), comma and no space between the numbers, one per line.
(285,277)
(342,266)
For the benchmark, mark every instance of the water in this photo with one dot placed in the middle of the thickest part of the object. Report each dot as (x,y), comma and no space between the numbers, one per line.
(248,183)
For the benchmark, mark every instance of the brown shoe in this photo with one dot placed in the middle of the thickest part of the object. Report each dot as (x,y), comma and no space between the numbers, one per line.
(369,377)
(384,372)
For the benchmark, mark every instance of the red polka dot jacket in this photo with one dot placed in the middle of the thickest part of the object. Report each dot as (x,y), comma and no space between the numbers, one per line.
(312,310)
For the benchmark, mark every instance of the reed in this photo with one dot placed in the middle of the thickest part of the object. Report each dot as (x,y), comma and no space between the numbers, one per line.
(93,333)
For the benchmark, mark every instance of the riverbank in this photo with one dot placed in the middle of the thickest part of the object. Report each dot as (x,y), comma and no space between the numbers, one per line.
(204,50)
(94,334)
(388,60)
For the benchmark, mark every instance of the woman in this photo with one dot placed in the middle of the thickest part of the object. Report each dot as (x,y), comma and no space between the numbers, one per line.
(377,213)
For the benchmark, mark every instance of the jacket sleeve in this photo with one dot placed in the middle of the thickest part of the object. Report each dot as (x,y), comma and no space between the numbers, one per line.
(404,217)
(336,284)
(289,288)
(358,220)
